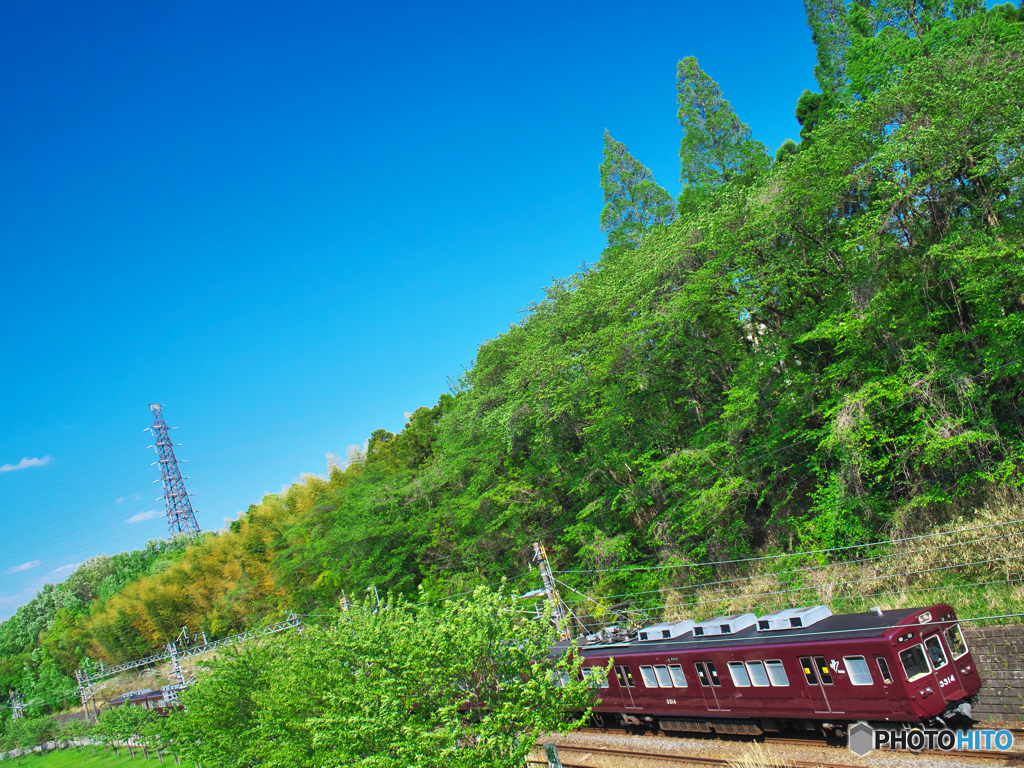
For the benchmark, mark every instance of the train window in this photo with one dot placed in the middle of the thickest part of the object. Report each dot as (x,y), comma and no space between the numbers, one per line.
(914,663)
(758,678)
(857,667)
(826,676)
(805,662)
(935,652)
(624,676)
(883,667)
(649,678)
(955,639)
(738,672)
(664,680)
(595,676)
(702,674)
(561,678)
(776,672)
(678,678)
(714,673)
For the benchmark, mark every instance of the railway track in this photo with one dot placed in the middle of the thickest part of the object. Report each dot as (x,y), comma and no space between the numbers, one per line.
(672,759)
(987,754)
(1007,757)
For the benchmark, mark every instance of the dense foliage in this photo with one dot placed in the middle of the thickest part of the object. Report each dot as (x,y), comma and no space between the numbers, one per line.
(458,683)
(44,642)
(804,352)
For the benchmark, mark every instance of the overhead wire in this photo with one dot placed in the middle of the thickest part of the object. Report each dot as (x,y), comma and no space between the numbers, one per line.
(804,553)
(759,595)
(826,567)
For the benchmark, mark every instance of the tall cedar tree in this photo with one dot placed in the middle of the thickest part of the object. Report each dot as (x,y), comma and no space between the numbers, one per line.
(633,201)
(716,146)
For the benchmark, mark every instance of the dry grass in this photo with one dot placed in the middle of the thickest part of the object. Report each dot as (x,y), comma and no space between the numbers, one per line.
(974,562)
(756,756)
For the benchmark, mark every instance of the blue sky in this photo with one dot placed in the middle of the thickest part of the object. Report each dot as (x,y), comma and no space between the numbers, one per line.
(291,223)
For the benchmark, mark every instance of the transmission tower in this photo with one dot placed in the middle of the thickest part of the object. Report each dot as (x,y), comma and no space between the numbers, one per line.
(180,517)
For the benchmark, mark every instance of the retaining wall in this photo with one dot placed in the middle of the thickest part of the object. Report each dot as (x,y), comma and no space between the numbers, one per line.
(999,655)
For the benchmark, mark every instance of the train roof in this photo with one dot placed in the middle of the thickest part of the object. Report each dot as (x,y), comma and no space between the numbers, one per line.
(148,693)
(847,626)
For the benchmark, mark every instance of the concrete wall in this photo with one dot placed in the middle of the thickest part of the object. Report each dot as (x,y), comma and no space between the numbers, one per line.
(999,655)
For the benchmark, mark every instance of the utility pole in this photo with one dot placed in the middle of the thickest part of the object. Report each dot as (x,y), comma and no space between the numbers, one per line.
(558,610)
(180,517)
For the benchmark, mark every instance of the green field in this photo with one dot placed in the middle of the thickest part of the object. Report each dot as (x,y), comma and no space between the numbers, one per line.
(69,758)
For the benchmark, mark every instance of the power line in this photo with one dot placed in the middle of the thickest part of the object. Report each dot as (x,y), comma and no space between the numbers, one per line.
(790,554)
(853,581)
(828,566)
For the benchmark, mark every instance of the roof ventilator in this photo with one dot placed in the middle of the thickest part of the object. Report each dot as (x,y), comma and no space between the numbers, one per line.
(724,625)
(666,631)
(793,618)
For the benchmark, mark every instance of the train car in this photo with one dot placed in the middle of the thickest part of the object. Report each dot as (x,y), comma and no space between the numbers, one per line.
(147,699)
(798,668)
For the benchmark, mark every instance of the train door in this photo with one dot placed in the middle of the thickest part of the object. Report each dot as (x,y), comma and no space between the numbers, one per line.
(626,686)
(710,684)
(892,696)
(817,677)
(938,649)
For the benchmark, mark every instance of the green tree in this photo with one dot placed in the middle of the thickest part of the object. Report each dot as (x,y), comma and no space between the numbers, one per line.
(633,201)
(460,683)
(717,146)
(830,32)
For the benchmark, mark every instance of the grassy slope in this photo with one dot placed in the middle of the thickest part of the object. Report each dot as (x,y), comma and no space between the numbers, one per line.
(74,758)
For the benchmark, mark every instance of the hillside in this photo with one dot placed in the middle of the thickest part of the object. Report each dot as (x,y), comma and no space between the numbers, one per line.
(811,353)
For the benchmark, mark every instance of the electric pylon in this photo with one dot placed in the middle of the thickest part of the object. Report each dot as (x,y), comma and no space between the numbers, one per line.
(180,517)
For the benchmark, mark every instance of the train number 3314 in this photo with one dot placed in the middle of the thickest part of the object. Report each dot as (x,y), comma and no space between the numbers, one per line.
(945,681)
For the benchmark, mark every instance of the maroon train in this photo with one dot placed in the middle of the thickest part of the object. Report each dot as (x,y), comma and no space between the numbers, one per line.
(797,668)
(147,699)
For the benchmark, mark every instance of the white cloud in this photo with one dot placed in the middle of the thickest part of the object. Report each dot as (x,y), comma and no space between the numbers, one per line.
(14,600)
(408,415)
(63,569)
(149,515)
(25,463)
(119,499)
(24,567)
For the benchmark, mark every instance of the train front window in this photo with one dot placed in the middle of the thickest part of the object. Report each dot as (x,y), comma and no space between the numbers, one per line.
(664,679)
(826,676)
(936,655)
(678,678)
(777,672)
(860,672)
(883,667)
(955,639)
(758,677)
(738,672)
(914,663)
